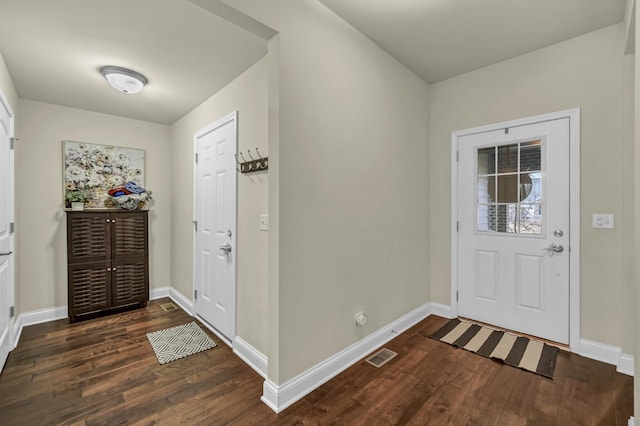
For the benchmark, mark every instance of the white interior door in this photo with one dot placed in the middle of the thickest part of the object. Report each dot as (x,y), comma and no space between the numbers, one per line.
(513,237)
(6,237)
(215,208)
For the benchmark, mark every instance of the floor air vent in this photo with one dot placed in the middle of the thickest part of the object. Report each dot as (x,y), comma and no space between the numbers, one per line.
(381,357)
(168,307)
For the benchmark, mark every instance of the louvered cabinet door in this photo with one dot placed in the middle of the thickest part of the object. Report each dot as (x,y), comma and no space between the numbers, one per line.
(108,261)
(129,234)
(88,237)
(130,281)
(89,288)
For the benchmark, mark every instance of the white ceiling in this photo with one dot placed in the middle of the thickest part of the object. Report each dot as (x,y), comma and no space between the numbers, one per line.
(439,39)
(54,50)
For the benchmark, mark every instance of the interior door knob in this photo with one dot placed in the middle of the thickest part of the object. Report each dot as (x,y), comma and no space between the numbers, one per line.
(226,248)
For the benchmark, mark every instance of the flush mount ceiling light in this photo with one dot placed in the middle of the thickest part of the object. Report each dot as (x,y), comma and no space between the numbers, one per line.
(124,80)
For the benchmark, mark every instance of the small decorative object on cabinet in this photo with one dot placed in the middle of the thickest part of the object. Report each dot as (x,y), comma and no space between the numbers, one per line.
(108,261)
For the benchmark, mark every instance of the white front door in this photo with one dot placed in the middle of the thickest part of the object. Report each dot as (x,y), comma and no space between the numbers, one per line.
(513,237)
(215,218)
(6,237)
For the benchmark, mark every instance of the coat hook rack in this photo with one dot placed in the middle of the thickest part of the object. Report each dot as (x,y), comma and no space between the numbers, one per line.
(252,165)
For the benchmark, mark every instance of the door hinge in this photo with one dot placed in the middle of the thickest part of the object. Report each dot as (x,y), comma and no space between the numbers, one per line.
(457,156)
(12,311)
(457,296)
(195,294)
(12,227)
(457,226)
(12,143)
(196,158)
(506,130)
(195,224)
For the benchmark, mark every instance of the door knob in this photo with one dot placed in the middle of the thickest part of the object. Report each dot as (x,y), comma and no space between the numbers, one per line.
(226,248)
(6,254)
(554,248)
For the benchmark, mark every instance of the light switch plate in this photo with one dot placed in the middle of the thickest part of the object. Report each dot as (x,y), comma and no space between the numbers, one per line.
(604,221)
(264,222)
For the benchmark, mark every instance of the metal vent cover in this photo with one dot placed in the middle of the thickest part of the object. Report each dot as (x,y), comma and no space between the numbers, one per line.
(381,357)
(168,307)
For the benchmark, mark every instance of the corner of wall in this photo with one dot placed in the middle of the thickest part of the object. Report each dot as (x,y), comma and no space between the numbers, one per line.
(6,85)
(630,27)
(280,396)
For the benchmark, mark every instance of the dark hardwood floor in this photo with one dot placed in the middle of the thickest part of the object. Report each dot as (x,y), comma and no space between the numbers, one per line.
(103,371)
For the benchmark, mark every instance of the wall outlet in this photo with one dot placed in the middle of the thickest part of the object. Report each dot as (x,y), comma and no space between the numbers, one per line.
(264,222)
(604,221)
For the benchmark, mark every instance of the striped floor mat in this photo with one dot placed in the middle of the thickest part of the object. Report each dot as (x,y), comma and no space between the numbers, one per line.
(522,352)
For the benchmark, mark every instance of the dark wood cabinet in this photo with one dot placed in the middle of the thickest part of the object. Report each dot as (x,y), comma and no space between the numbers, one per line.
(108,261)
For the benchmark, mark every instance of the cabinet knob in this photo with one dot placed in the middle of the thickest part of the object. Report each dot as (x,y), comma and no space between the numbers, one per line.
(114,268)
(113,221)
(108,269)
(108,221)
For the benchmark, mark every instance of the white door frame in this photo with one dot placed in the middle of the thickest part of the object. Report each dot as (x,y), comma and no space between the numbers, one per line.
(218,123)
(13,333)
(574,206)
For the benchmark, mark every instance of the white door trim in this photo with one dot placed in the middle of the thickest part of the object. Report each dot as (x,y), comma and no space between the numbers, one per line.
(233,116)
(13,337)
(574,206)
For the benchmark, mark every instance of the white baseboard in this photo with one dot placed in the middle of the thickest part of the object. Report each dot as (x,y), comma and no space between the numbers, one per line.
(279,397)
(608,354)
(60,312)
(632,421)
(183,302)
(441,310)
(17,331)
(43,315)
(36,317)
(187,306)
(626,364)
(158,293)
(588,348)
(270,394)
(251,356)
(600,351)
(224,339)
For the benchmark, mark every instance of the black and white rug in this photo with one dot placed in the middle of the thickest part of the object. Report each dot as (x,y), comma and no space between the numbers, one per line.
(518,351)
(178,342)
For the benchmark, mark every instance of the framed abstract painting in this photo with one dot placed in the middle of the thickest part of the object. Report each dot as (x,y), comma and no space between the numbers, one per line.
(90,171)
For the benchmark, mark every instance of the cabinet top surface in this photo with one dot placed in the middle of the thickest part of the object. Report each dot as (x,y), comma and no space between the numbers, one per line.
(105,211)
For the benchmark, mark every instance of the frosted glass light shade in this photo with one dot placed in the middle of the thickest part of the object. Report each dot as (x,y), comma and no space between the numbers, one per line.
(124,80)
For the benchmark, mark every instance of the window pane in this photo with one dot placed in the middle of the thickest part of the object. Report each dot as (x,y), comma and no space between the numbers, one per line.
(531,187)
(486,218)
(508,158)
(531,219)
(483,189)
(506,220)
(534,194)
(486,161)
(507,189)
(531,156)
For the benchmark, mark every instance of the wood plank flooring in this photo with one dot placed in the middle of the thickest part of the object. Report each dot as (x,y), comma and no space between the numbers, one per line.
(103,371)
